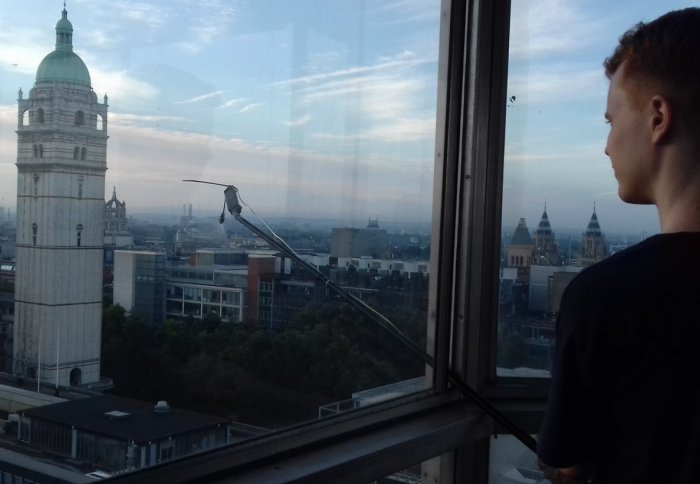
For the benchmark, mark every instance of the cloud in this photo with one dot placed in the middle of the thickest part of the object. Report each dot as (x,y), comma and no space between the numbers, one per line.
(201,98)
(405,11)
(122,85)
(232,103)
(556,84)
(126,119)
(294,123)
(403,60)
(541,28)
(250,107)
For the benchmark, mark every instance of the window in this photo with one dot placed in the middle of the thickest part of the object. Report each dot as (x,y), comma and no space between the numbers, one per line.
(328,113)
(35,179)
(79,118)
(40,116)
(78,234)
(80,186)
(83,153)
(76,152)
(35,229)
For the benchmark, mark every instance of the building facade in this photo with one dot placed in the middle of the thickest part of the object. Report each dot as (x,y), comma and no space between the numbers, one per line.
(592,242)
(139,283)
(116,232)
(61,164)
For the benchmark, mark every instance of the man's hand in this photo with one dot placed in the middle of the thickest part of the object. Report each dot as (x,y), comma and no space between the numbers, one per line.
(565,475)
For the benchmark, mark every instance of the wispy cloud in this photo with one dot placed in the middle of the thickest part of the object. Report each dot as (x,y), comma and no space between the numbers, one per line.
(233,102)
(403,60)
(293,123)
(250,107)
(201,98)
(557,83)
(126,119)
(545,27)
(404,11)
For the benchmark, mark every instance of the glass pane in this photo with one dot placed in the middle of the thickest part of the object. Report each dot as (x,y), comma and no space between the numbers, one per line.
(321,113)
(561,211)
(510,462)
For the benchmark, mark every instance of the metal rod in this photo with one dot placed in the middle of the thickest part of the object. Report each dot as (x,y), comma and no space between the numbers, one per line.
(392,330)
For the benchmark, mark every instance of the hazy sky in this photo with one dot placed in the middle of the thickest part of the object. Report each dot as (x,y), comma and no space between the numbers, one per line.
(324,108)
(556,132)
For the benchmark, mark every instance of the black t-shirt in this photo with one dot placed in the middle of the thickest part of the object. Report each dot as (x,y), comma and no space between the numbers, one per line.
(625,390)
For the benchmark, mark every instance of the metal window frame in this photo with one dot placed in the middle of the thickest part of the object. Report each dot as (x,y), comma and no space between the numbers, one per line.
(371,442)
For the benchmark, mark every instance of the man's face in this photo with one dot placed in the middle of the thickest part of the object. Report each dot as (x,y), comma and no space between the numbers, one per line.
(628,144)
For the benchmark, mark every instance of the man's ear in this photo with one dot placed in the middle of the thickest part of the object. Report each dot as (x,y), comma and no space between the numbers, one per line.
(661,116)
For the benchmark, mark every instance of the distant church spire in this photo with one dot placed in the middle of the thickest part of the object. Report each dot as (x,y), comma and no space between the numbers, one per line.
(593,241)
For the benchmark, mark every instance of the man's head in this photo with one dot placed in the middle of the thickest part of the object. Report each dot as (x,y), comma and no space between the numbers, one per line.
(654,99)
(662,56)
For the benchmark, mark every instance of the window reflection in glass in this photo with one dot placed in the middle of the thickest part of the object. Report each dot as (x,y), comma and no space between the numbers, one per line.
(561,212)
(323,116)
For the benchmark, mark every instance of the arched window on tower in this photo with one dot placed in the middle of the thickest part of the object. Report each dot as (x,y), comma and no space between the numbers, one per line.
(35,178)
(41,151)
(80,186)
(35,229)
(76,153)
(79,118)
(40,116)
(79,233)
(83,153)
(24,120)
(36,151)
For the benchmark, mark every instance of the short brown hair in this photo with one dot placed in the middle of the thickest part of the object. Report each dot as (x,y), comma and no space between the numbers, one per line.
(663,54)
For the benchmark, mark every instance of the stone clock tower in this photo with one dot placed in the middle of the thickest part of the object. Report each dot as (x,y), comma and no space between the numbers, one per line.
(61,164)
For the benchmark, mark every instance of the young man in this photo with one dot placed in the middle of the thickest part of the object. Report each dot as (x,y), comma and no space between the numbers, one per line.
(624,404)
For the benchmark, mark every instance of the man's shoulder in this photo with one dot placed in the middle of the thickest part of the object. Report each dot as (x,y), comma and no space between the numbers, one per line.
(660,256)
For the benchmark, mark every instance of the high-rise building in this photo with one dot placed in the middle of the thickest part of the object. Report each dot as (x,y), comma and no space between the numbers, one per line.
(61,163)
(139,283)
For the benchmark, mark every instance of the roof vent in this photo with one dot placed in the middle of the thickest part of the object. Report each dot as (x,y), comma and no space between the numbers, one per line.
(162,407)
(116,415)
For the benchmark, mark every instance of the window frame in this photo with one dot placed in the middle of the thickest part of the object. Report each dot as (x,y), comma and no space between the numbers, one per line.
(462,315)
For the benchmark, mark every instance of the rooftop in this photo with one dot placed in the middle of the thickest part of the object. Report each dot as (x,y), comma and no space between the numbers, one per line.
(124,419)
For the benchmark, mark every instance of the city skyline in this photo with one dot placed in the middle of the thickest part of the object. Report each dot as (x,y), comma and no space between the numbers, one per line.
(325,110)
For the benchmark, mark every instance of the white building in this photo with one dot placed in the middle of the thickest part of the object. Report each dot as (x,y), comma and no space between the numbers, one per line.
(61,163)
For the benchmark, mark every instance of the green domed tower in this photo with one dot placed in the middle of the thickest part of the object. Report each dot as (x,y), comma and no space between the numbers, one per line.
(61,164)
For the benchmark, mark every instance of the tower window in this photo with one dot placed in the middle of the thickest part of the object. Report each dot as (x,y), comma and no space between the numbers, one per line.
(80,187)
(35,229)
(36,151)
(35,178)
(79,118)
(83,153)
(41,151)
(76,153)
(40,116)
(79,234)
